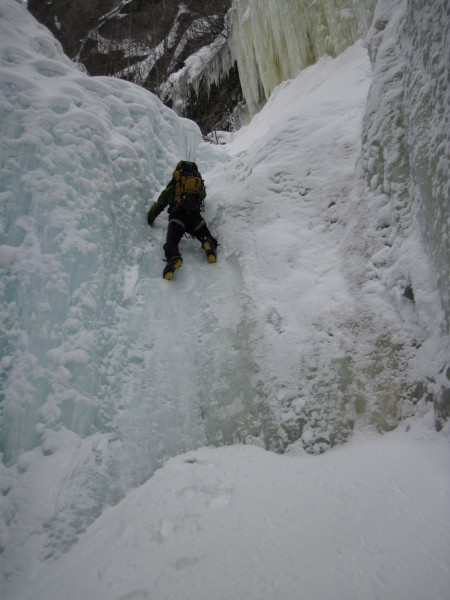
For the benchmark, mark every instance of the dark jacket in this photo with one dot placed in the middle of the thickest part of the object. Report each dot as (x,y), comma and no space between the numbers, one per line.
(166,198)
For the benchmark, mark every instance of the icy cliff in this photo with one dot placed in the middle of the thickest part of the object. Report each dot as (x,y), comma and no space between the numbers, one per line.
(81,158)
(268,42)
(272,41)
(75,178)
(406,167)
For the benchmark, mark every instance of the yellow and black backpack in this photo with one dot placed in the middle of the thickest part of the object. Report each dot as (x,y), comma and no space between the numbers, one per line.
(189,187)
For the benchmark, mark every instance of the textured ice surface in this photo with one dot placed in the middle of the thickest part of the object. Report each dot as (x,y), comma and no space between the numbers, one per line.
(81,160)
(272,41)
(404,208)
(406,143)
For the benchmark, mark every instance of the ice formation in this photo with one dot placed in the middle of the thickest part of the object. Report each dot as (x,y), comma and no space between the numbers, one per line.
(272,41)
(406,166)
(94,140)
(81,159)
(208,66)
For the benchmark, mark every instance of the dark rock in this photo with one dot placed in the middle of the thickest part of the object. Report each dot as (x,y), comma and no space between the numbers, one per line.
(409,293)
(442,407)
(121,40)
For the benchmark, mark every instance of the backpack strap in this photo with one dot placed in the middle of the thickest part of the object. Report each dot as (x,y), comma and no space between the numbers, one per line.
(177,184)
(178,222)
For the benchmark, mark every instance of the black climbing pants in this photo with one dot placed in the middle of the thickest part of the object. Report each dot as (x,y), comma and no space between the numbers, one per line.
(183,222)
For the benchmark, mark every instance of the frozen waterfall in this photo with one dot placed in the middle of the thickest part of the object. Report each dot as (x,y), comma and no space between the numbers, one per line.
(273,41)
(104,373)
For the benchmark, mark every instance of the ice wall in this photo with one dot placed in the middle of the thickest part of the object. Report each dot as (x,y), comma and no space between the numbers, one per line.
(272,41)
(102,152)
(81,159)
(404,210)
(406,155)
(105,147)
(102,366)
(427,127)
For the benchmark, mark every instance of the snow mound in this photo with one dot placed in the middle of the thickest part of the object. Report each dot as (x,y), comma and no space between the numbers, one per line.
(243,523)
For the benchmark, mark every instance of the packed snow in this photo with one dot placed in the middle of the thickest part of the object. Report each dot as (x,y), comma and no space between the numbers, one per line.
(185,439)
(368,520)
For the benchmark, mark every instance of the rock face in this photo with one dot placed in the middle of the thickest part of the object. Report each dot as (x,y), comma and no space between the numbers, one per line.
(214,107)
(213,61)
(145,41)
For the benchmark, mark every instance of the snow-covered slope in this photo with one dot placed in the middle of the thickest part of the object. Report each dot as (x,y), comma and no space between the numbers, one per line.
(292,341)
(369,520)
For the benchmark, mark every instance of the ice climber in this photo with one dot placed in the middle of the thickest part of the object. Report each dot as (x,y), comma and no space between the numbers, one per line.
(185,195)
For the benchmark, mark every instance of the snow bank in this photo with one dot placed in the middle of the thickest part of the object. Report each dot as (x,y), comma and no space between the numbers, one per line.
(369,520)
(329,265)
(325,355)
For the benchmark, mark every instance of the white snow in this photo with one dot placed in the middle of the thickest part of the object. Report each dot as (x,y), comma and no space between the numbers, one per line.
(298,339)
(368,520)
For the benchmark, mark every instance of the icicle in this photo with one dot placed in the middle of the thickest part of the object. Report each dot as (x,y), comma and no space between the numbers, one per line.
(209,66)
(272,41)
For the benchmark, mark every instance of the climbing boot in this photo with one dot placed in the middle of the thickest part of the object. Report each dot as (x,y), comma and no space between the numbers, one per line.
(210,250)
(172,264)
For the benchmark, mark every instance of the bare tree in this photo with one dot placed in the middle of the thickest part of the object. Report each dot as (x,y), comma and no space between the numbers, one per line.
(210,16)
